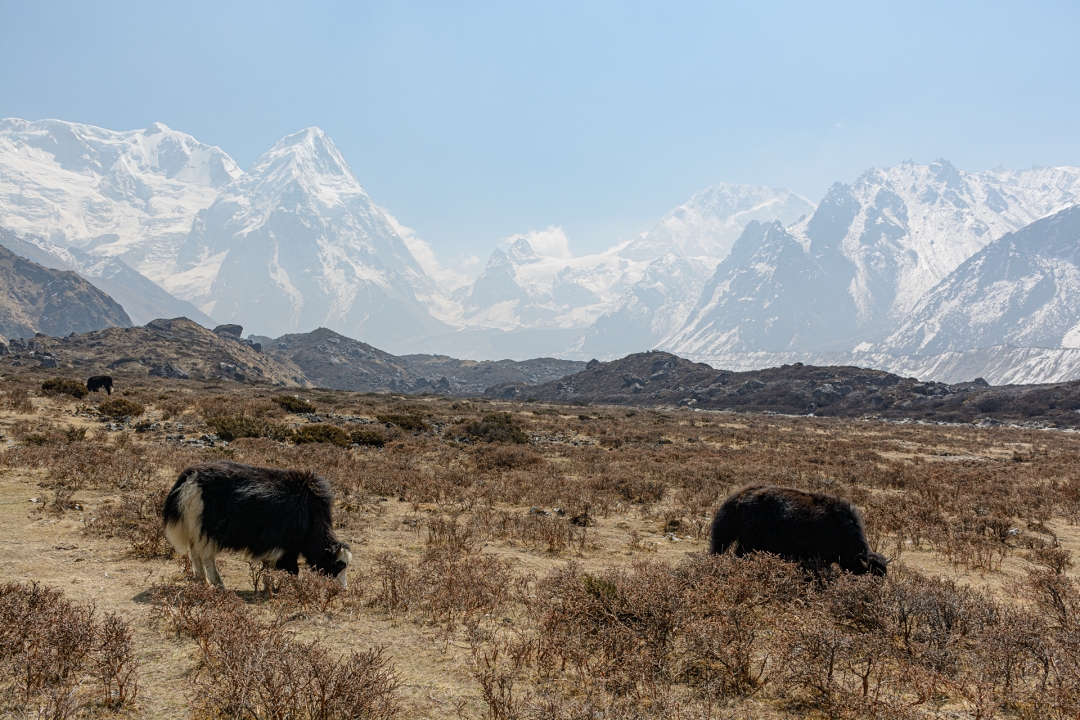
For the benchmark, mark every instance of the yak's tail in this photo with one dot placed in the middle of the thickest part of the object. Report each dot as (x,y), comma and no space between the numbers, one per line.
(724,528)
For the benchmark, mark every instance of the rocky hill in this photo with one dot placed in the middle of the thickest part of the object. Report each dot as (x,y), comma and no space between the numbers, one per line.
(176,348)
(141,299)
(329,359)
(470,377)
(180,348)
(663,379)
(37,299)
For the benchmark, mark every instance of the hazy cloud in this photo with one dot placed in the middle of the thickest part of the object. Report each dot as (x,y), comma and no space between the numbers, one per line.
(448,277)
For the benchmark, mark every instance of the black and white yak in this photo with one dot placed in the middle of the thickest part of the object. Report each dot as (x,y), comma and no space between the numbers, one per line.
(812,528)
(272,516)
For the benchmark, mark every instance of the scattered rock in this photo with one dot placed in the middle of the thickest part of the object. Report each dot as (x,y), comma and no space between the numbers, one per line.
(169,370)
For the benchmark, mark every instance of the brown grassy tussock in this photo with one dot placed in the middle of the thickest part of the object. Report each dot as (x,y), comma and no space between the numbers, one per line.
(565,576)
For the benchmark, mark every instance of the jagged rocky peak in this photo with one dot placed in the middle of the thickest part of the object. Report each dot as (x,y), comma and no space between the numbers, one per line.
(297,243)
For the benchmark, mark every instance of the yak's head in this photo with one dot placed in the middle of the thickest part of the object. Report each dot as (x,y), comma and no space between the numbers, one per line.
(335,561)
(873,563)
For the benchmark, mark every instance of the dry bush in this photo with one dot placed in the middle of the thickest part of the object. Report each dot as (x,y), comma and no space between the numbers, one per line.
(211,406)
(56,658)
(450,585)
(507,457)
(64,386)
(408,421)
(172,406)
(255,669)
(364,436)
(120,408)
(235,427)
(548,532)
(136,517)
(496,427)
(321,433)
(293,404)
(15,397)
(307,592)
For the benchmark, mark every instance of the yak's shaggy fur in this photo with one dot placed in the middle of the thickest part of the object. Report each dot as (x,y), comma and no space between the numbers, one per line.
(812,528)
(99,382)
(273,516)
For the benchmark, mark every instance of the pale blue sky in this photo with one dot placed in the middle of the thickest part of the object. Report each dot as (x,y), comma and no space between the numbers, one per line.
(474,121)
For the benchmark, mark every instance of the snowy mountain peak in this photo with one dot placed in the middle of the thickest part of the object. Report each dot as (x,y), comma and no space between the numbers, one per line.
(522,252)
(1021,290)
(297,243)
(713,218)
(868,256)
(129,194)
(310,152)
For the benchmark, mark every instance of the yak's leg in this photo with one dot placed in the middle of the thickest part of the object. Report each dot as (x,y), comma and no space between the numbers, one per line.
(210,565)
(197,569)
(289,562)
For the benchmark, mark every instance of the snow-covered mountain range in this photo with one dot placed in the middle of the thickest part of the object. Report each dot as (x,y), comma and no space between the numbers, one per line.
(1023,290)
(845,277)
(912,260)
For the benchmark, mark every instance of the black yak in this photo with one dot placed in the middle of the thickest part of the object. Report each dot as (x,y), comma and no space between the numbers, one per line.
(98,382)
(273,516)
(811,528)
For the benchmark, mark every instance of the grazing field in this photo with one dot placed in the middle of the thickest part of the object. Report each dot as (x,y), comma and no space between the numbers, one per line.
(529,560)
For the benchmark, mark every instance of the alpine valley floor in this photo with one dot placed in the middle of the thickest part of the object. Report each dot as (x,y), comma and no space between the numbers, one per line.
(542,560)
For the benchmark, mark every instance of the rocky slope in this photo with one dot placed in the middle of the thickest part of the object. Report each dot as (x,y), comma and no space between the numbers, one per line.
(662,379)
(182,349)
(141,299)
(177,348)
(37,299)
(331,360)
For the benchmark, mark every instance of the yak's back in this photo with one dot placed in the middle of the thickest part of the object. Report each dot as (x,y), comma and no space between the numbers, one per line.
(789,504)
(259,481)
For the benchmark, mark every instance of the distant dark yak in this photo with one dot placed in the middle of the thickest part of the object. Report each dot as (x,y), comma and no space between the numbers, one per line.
(98,382)
(272,516)
(811,528)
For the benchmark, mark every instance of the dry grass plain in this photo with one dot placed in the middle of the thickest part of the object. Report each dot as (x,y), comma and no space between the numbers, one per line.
(526,560)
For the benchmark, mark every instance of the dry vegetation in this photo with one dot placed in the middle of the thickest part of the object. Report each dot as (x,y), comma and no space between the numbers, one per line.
(524,560)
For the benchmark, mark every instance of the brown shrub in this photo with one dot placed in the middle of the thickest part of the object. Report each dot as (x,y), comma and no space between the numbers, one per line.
(120,408)
(235,427)
(57,659)
(496,427)
(293,404)
(254,669)
(507,457)
(15,397)
(137,518)
(64,386)
(321,433)
(408,421)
